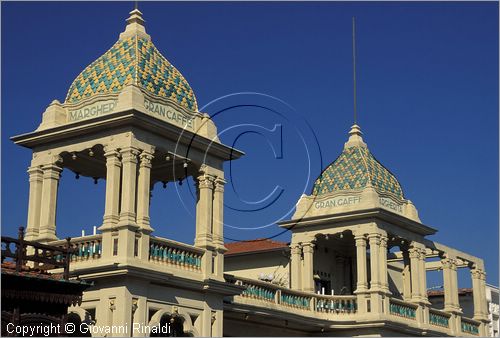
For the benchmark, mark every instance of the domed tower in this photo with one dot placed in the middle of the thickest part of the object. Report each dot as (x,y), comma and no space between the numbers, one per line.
(356,180)
(355,204)
(130,118)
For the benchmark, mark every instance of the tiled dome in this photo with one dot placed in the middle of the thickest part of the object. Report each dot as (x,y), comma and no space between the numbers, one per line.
(355,168)
(133,59)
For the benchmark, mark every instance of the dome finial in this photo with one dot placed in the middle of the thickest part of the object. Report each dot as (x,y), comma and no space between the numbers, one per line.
(355,138)
(135,25)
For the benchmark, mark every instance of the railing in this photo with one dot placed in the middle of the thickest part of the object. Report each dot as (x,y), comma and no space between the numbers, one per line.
(259,292)
(290,300)
(402,309)
(84,248)
(336,304)
(439,318)
(44,257)
(164,251)
(469,326)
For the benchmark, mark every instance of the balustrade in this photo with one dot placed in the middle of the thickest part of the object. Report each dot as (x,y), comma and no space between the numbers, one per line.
(288,299)
(402,309)
(174,253)
(469,326)
(335,304)
(84,248)
(439,318)
(294,300)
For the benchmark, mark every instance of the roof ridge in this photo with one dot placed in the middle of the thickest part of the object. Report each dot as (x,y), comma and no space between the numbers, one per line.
(136,73)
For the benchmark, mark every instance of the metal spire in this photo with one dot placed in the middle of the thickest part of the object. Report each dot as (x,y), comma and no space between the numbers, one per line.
(354,67)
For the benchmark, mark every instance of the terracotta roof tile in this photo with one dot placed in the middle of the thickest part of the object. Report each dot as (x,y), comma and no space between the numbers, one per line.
(254,245)
(440,292)
(26,271)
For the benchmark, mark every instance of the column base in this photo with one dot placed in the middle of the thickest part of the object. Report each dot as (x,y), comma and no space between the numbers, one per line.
(109,222)
(144,225)
(361,290)
(44,237)
(453,309)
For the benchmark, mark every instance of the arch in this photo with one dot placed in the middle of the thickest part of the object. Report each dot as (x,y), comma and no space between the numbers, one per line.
(187,324)
(77,316)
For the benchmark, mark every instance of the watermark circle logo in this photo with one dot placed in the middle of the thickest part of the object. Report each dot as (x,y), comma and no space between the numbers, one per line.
(282,158)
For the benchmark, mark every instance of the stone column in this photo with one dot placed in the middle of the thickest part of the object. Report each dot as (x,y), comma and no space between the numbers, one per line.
(384,280)
(484,303)
(340,272)
(218,212)
(450,285)
(296,273)
(51,176)
(113,176)
(374,240)
(406,276)
(143,195)
(127,226)
(479,294)
(143,191)
(414,254)
(376,294)
(483,328)
(112,203)
(423,276)
(204,209)
(362,282)
(308,276)
(129,180)
(218,226)
(35,199)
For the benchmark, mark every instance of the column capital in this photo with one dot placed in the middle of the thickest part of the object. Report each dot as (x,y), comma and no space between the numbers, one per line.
(374,238)
(205,181)
(476,273)
(360,240)
(129,154)
(295,249)
(414,252)
(111,152)
(449,263)
(308,246)
(219,184)
(383,241)
(52,171)
(35,173)
(145,158)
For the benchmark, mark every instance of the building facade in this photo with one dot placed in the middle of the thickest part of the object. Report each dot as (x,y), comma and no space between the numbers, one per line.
(357,259)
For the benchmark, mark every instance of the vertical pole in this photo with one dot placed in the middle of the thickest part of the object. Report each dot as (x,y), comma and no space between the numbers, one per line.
(67,258)
(354,68)
(20,250)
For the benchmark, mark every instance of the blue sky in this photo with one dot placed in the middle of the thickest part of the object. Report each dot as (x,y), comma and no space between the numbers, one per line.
(427,101)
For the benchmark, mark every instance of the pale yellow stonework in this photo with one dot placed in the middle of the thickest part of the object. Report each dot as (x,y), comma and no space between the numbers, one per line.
(133,139)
